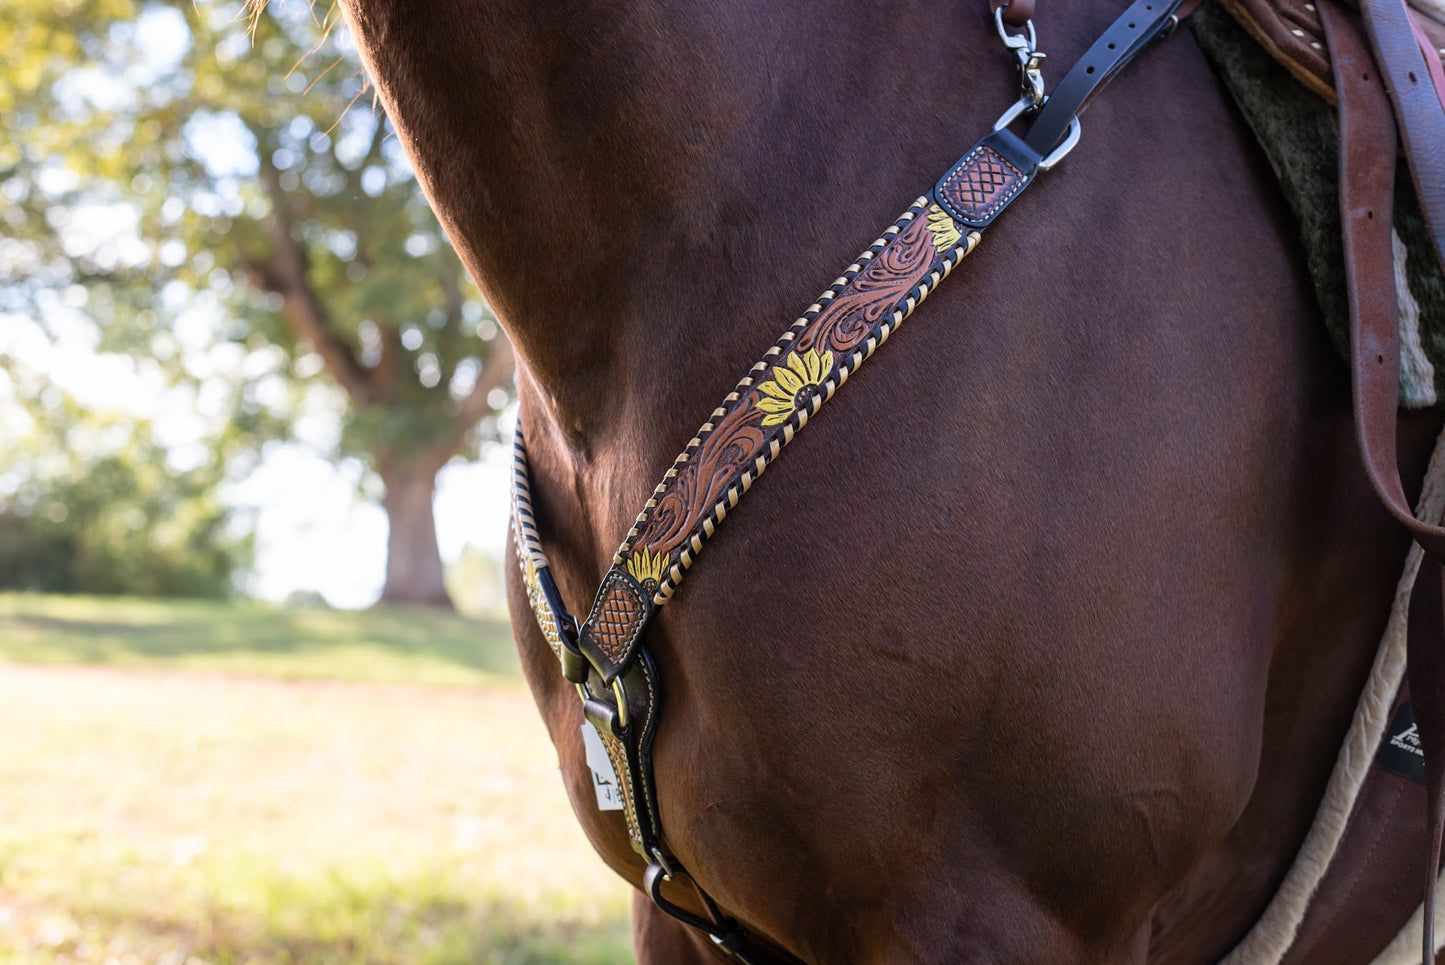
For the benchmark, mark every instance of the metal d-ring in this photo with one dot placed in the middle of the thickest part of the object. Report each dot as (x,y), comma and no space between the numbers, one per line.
(1067,145)
(1014,112)
(1017,110)
(619,692)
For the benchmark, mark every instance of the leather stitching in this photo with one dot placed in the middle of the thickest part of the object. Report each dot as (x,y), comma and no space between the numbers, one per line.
(617,617)
(992,182)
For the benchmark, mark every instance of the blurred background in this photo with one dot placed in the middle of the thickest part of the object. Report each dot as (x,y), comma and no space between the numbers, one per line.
(258,699)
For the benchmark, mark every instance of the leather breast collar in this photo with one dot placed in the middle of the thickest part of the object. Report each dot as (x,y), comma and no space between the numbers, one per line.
(605,654)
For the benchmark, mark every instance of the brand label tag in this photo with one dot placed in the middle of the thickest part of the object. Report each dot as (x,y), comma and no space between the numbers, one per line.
(1400,751)
(604,778)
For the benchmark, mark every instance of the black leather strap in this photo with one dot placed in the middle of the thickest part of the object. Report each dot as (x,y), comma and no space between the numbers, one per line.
(1144,21)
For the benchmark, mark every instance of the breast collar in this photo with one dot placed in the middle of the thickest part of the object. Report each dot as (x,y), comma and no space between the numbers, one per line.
(605,655)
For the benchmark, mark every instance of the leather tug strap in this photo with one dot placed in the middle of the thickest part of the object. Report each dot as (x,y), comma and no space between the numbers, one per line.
(1367,181)
(604,656)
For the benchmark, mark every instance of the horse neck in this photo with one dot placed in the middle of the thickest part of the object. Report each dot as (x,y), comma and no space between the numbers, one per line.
(629,182)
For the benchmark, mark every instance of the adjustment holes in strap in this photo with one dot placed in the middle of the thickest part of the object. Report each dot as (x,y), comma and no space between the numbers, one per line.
(1111,46)
(1089,70)
(1370,215)
(1413,78)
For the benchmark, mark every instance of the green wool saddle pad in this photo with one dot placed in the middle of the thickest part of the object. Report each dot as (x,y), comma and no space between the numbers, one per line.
(1299,133)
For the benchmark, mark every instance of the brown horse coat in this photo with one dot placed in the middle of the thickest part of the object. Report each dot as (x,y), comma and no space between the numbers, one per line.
(1038,645)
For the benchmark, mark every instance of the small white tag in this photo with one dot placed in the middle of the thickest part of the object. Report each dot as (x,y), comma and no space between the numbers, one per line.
(604,778)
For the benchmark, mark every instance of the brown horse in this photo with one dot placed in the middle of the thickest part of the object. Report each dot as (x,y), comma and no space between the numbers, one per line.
(1040,645)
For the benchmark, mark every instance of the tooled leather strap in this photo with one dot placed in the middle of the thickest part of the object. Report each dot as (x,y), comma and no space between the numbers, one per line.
(776,398)
(837,333)
(1367,177)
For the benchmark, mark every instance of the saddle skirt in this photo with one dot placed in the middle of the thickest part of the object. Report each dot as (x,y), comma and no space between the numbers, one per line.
(1291,31)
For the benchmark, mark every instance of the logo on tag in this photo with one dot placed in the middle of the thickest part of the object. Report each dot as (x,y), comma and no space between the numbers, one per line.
(1401,752)
(604,778)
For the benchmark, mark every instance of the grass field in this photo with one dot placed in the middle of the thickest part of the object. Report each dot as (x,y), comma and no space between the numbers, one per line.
(390,645)
(203,783)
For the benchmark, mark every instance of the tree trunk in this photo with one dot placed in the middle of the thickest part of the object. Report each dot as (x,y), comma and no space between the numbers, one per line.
(413,562)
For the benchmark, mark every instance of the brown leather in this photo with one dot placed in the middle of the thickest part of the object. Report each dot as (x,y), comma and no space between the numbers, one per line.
(1417,106)
(1292,31)
(1367,166)
(1432,58)
(1367,179)
(1016,13)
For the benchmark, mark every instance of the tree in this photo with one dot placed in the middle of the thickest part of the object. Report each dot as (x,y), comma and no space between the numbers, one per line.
(167,155)
(91,502)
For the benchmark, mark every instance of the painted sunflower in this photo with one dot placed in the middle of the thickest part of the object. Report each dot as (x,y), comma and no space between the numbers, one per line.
(779,399)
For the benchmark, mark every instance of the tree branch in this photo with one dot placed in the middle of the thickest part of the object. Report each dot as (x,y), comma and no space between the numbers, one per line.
(495,371)
(285,274)
(384,376)
(450,337)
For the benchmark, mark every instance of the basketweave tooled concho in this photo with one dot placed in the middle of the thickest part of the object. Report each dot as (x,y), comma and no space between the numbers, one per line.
(1292,33)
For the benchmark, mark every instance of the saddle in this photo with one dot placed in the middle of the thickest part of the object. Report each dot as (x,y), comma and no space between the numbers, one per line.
(1380,66)
(1294,34)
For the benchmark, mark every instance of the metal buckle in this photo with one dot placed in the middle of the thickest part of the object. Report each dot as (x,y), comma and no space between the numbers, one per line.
(1025,46)
(1023,105)
(1064,147)
(604,714)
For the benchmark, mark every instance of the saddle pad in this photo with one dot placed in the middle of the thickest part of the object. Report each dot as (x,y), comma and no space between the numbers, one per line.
(1296,127)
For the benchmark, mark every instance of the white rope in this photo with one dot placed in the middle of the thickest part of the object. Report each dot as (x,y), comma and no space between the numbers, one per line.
(1274,933)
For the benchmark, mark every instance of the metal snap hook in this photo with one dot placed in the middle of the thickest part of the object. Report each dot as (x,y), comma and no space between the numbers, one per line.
(1025,46)
(1028,40)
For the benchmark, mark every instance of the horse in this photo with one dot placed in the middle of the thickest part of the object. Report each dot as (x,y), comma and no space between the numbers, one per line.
(1041,643)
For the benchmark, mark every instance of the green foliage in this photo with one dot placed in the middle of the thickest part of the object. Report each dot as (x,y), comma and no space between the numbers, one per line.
(91,504)
(168,154)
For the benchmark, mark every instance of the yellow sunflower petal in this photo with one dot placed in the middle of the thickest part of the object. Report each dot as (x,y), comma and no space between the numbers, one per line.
(945,232)
(799,364)
(645,566)
(776,391)
(791,381)
(777,418)
(827,365)
(776,405)
(806,365)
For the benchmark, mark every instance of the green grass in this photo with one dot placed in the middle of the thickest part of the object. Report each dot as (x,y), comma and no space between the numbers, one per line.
(267,817)
(388,644)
